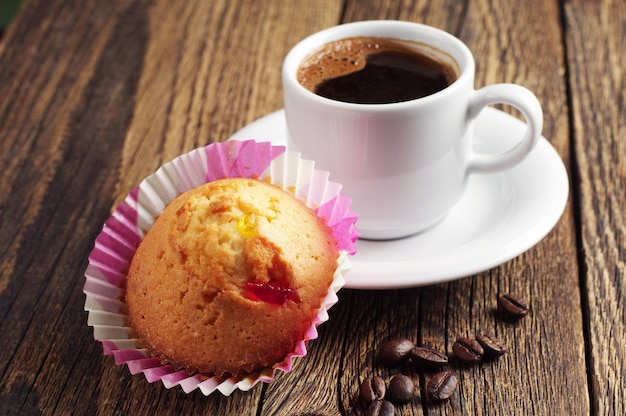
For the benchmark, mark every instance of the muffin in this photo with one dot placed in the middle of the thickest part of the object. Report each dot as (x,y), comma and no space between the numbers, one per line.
(289,286)
(229,278)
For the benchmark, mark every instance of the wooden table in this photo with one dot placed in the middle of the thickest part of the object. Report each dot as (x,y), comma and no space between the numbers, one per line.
(95,95)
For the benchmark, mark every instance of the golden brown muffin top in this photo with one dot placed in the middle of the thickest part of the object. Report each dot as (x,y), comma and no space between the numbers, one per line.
(229,277)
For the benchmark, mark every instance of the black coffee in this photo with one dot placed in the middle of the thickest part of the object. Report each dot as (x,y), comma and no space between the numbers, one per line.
(375,71)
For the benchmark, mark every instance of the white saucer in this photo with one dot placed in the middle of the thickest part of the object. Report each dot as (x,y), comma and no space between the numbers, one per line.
(499,217)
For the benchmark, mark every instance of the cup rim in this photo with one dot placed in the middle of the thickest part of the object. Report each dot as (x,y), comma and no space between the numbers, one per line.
(454,47)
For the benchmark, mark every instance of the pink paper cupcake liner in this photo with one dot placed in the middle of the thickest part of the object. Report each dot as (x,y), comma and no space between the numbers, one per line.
(121,234)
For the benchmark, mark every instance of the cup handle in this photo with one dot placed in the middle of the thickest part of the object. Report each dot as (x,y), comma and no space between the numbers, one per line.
(523,100)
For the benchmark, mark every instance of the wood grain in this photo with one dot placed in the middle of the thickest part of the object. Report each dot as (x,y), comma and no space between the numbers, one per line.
(94,96)
(598,73)
(202,84)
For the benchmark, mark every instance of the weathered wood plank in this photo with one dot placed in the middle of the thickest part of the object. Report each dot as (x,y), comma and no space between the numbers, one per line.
(597,62)
(94,96)
(203,83)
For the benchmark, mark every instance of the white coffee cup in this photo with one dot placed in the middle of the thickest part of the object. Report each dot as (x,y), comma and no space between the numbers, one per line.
(404,164)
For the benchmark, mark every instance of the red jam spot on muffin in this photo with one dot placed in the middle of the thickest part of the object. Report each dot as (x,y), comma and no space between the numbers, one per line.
(272,292)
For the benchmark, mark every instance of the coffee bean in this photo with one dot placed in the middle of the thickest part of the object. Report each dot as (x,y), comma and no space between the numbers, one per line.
(428,357)
(372,389)
(513,306)
(492,346)
(468,350)
(442,385)
(395,351)
(401,389)
(381,408)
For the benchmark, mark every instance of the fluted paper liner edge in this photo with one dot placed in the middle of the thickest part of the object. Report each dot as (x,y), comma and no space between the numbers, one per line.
(123,231)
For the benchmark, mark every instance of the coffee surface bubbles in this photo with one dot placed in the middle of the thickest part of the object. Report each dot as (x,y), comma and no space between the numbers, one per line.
(368,70)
